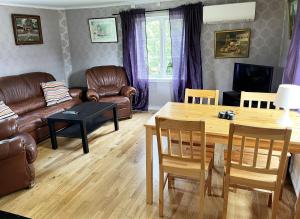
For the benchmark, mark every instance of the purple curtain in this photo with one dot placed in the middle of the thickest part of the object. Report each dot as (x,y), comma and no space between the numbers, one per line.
(291,73)
(185,22)
(135,55)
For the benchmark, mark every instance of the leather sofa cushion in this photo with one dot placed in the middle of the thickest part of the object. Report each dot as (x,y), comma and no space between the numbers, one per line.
(122,102)
(45,112)
(19,88)
(29,122)
(28,105)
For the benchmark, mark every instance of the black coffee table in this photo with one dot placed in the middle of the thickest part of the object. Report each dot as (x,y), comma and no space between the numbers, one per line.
(91,115)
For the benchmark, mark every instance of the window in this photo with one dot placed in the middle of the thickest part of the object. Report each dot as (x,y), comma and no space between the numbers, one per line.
(159,45)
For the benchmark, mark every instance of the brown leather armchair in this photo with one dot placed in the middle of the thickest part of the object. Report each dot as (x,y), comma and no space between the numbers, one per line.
(109,84)
(17,154)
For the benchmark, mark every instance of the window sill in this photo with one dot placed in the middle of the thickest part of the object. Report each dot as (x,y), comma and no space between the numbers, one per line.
(158,80)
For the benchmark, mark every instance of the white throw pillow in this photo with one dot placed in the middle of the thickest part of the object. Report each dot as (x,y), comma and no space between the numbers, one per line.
(55,92)
(6,112)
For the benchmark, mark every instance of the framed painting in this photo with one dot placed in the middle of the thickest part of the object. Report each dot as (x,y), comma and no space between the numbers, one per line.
(292,6)
(27,29)
(232,43)
(103,30)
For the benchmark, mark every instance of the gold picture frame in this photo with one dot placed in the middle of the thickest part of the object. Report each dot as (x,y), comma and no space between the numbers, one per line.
(232,43)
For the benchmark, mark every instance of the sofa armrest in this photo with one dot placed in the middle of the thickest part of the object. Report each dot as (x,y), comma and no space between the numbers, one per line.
(92,95)
(30,147)
(11,147)
(128,91)
(9,127)
(75,93)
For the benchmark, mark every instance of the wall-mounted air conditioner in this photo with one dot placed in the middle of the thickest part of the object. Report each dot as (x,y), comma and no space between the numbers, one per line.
(229,13)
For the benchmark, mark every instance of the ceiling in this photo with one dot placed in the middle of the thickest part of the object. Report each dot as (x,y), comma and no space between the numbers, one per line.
(74,4)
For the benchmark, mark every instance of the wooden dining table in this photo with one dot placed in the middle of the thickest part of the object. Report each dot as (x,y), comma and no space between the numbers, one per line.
(217,130)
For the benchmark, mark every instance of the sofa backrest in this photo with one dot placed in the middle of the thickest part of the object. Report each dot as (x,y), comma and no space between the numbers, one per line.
(106,80)
(18,88)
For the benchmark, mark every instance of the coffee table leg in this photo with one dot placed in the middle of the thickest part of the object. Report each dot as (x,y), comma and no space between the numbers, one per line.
(85,144)
(116,118)
(52,134)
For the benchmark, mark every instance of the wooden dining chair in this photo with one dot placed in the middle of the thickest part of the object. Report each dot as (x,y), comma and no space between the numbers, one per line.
(297,208)
(201,96)
(252,173)
(258,100)
(176,160)
(266,100)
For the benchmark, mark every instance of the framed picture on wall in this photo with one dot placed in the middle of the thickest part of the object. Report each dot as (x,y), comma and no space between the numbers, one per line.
(232,43)
(103,30)
(27,29)
(292,5)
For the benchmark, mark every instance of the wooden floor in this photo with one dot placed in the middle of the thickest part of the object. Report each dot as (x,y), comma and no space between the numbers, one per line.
(109,182)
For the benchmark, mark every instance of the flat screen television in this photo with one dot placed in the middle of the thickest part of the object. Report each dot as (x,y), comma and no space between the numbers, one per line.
(252,78)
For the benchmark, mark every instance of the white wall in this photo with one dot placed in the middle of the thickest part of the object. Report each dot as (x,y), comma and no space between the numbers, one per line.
(160,92)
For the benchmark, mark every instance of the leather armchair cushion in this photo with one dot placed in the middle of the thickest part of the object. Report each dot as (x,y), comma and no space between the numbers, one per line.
(108,90)
(75,93)
(28,105)
(8,127)
(122,102)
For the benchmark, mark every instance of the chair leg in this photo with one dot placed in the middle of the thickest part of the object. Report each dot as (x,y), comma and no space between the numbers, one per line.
(202,195)
(161,193)
(270,200)
(276,202)
(209,181)
(223,188)
(226,193)
(171,181)
(284,177)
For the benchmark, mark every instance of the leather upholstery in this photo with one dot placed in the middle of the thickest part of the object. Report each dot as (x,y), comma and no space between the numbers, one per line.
(24,95)
(109,84)
(8,127)
(17,153)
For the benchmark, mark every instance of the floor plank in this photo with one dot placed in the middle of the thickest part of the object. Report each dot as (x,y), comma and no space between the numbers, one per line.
(109,182)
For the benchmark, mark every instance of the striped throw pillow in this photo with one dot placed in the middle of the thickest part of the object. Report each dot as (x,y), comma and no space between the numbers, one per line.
(55,92)
(6,112)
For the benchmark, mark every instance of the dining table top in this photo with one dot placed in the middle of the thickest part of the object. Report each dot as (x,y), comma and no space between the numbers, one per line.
(219,128)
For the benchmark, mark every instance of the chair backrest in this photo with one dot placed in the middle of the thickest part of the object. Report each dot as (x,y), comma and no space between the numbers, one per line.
(252,136)
(185,140)
(202,96)
(259,98)
(106,80)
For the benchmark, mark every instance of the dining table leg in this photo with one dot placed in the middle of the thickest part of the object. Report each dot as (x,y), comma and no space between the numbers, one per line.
(149,165)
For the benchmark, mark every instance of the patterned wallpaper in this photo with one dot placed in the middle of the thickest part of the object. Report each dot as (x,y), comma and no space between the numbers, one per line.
(65,44)
(22,59)
(67,50)
(266,34)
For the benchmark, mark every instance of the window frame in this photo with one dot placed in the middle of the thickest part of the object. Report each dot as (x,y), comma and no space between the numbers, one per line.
(160,16)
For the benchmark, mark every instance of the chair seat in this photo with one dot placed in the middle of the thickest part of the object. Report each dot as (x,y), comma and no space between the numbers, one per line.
(121,101)
(188,169)
(252,179)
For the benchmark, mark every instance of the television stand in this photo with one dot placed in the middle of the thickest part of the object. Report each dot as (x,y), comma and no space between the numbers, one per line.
(231,98)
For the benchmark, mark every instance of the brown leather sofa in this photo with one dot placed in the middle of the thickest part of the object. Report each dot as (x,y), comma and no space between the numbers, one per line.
(23,94)
(110,84)
(17,154)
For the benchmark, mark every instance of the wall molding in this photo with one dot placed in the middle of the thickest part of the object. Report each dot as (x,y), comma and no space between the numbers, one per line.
(105,5)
